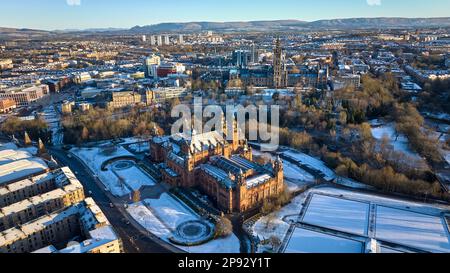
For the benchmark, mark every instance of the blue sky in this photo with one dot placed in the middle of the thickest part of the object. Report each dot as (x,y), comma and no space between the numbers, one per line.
(76,14)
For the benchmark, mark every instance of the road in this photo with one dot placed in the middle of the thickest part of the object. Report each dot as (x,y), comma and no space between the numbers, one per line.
(134,241)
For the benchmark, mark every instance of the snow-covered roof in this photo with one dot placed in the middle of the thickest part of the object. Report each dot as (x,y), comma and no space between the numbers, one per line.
(200,142)
(218,174)
(258,180)
(21,168)
(234,165)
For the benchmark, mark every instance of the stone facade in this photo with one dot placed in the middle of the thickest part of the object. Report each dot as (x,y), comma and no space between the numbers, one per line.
(222,169)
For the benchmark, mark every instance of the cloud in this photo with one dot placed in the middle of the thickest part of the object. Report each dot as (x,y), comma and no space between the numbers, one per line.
(73,2)
(374,2)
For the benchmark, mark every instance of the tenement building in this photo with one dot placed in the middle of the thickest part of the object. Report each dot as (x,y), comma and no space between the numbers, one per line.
(25,95)
(53,233)
(222,169)
(34,197)
(45,210)
(18,164)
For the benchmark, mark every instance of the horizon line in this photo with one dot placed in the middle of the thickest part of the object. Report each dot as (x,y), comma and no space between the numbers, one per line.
(237,21)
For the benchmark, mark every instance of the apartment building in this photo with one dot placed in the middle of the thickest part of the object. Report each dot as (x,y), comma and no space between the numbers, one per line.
(31,198)
(53,233)
(7,105)
(25,95)
(46,211)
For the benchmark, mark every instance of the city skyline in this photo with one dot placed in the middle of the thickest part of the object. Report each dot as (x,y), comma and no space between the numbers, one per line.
(85,14)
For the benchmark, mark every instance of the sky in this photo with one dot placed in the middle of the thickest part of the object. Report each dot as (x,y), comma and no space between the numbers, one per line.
(83,14)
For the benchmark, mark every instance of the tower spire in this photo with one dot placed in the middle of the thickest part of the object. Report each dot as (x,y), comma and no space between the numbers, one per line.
(278,64)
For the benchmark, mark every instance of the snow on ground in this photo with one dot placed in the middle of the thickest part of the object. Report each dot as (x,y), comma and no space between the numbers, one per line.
(135,178)
(170,211)
(296,177)
(338,214)
(230,244)
(348,182)
(162,216)
(306,241)
(139,147)
(130,140)
(404,222)
(431,209)
(273,224)
(398,141)
(447,156)
(94,157)
(312,163)
(412,229)
(51,117)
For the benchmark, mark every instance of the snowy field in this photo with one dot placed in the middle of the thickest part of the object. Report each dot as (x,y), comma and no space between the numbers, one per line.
(397,221)
(398,141)
(306,241)
(338,214)
(412,229)
(294,176)
(162,216)
(312,163)
(133,177)
(273,224)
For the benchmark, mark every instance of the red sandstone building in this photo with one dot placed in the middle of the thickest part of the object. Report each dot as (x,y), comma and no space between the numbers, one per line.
(224,170)
(7,105)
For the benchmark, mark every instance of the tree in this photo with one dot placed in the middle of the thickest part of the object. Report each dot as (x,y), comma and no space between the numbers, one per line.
(343,117)
(85,134)
(136,196)
(27,139)
(267,207)
(365,131)
(275,242)
(276,96)
(224,227)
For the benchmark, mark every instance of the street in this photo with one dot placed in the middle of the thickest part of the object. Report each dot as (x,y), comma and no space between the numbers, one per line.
(134,241)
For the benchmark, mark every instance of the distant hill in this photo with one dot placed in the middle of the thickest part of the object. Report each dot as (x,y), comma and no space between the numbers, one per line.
(383,22)
(21,32)
(220,26)
(283,25)
(260,26)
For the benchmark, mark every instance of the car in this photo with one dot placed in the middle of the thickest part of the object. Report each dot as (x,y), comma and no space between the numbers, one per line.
(76,173)
(90,192)
(111,205)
